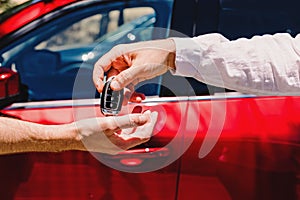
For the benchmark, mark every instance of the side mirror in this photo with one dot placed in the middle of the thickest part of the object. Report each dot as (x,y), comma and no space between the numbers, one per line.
(9,87)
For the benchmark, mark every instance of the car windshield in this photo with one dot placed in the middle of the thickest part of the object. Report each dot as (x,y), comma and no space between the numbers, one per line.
(10,8)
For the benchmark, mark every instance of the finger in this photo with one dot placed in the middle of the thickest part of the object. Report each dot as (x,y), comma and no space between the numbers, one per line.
(98,76)
(139,135)
(112,72)
(127,94)
(143,131)
(131,142)
(125,143)
(134,97)
(104,64)
(122,62)
(125,77)
(137,97)
(131,120)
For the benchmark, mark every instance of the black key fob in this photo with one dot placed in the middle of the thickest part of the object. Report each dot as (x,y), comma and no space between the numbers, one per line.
(111,101)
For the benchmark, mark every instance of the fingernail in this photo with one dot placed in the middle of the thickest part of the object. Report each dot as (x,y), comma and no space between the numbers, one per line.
(115,85)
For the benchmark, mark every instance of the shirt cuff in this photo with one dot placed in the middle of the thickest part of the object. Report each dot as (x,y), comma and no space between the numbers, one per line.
(186,58)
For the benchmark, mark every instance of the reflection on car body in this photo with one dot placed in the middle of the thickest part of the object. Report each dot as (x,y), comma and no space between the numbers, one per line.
(206,144)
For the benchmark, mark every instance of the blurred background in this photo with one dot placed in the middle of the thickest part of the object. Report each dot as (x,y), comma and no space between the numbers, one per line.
(6,4)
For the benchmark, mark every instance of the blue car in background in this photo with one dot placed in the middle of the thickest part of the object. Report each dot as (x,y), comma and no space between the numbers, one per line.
(48,51)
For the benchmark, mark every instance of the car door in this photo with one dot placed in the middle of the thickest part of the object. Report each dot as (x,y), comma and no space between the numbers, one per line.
(246,147)
(149,171)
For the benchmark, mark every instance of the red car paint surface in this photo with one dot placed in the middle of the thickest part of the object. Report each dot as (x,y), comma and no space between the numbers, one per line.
(78,175)
(8,83)
(29,14)
(255,156)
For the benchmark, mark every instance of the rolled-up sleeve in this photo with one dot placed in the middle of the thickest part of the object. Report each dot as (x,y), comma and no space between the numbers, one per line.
(263,65)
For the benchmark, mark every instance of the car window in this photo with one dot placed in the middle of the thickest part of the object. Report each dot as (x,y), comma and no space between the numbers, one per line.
(49,57)
(93,28)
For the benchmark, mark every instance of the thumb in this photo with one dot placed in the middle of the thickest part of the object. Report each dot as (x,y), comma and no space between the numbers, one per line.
(132,120)
(125,77)
(143,132)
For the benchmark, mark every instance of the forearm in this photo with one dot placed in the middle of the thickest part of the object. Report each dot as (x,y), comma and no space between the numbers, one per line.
(18,136)
(260,65)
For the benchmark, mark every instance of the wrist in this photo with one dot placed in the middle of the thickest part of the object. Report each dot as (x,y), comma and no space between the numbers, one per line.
(172,54)
(63,137)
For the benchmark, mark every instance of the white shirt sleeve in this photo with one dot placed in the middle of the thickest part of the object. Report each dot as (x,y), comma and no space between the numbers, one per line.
(264,65)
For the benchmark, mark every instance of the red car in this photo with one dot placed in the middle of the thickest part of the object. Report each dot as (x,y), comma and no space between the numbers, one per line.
(208,143)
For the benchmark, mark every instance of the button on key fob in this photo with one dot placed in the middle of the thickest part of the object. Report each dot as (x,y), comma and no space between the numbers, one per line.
(110,101)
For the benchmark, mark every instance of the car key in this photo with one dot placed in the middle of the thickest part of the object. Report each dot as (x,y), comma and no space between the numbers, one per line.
(110,101)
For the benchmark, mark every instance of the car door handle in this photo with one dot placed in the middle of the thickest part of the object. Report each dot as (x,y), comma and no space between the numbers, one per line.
(136,157)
